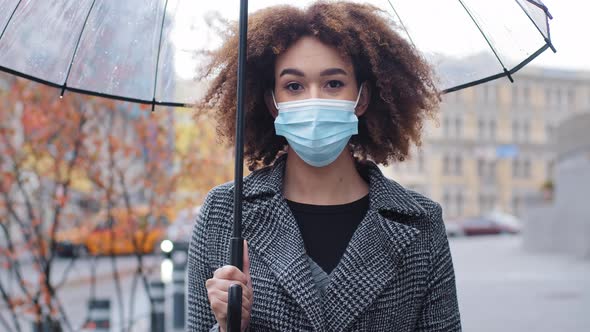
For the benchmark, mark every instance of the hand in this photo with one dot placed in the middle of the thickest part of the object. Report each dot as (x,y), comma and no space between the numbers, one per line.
(217,291)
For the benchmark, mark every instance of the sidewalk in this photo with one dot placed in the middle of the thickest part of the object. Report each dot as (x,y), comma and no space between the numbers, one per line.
(503,288)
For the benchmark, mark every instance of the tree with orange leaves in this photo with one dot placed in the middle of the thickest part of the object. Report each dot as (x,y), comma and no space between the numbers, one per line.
(66,162)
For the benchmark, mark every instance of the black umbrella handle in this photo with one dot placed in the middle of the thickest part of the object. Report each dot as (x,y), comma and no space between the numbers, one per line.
(234,308)
(234,300)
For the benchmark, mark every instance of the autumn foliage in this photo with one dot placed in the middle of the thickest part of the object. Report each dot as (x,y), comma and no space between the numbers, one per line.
(67,163)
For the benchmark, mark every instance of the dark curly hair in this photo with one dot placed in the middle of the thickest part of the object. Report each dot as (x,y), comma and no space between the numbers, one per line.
(401,81)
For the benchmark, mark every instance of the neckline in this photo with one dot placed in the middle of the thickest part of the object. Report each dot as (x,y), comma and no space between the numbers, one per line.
(314,208)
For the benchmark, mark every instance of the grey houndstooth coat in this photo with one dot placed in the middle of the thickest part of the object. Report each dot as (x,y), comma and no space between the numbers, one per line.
(395,275)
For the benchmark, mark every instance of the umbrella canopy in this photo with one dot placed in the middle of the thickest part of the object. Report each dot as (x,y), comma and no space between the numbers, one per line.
(147,51)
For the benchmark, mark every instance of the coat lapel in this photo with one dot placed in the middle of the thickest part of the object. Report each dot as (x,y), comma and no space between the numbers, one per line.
(368,264)
(272,232)
(374,253)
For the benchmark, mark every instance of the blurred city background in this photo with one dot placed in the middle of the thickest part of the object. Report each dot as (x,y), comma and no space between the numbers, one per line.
(98,198)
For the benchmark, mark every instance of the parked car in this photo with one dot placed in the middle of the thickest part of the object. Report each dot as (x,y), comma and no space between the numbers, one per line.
(125,233)
(453,229)
(508,220)
(491,223)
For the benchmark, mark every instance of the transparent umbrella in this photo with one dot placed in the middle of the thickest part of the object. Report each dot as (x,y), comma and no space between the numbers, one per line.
(147,51)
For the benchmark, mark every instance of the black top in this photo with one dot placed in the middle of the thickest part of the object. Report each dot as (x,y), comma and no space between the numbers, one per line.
(327,229)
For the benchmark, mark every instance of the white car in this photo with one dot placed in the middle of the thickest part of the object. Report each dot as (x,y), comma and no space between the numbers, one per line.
(506,220)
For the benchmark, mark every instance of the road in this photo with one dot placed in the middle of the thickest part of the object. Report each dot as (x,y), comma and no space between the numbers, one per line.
(76,291)
(501,287)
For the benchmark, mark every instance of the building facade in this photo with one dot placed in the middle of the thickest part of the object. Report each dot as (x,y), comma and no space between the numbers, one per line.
(491,146)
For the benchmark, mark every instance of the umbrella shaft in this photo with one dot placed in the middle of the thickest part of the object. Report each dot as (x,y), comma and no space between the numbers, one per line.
(239,158)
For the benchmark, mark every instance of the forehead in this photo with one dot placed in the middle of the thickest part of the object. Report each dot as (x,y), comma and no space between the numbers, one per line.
(309,54)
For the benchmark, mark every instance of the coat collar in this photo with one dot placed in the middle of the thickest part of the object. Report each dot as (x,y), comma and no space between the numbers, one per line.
(371,258)
(385,194)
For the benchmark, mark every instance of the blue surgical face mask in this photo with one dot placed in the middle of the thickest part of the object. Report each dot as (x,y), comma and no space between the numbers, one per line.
(317,129)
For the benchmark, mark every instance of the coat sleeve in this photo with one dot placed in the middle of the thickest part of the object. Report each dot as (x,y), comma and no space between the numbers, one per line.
(440,311)
(200,316)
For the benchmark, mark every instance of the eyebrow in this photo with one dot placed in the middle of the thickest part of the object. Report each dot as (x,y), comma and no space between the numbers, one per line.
(327,72)
(333,71)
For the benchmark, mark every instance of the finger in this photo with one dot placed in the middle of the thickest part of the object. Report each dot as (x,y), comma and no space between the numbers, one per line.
(246,258)
(230,272)
(224,285)
(223,297)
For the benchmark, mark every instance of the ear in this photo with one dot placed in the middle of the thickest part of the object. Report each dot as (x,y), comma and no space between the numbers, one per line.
(364,100)
(270,104)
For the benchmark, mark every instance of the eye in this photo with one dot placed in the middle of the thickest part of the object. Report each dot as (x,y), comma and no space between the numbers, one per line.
(333,84)
(294,86)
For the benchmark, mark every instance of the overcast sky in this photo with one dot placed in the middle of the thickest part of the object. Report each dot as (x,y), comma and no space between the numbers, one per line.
(570,32)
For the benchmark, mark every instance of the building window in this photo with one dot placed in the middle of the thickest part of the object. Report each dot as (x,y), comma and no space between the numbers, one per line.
(480,167)
(493,129)
(487,202)
(458,165)
(516,168)
(550,167)
(526,168)
(558,97)
(486,169)
(492,169)
(452,164)
(488,94)
(549,131)
(486,129)
(521,131)
(481,128)
(571,97)
(452,126)
(447,202)
(453,201)
(515,131)
(520,95)
(521,168)
(421,161)
(515,94)
(549,100)
(526,131)
(446,128)
(446,164)
(459,198)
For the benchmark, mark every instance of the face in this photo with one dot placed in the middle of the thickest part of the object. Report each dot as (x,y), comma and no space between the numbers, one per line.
(310,69)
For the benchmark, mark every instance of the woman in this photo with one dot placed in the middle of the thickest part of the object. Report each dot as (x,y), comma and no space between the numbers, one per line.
(330,243)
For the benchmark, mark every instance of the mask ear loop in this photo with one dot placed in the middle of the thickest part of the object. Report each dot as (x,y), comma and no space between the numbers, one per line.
(358,97)
(274,100)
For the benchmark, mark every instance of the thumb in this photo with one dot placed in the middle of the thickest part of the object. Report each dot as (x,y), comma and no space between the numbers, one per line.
(246,259)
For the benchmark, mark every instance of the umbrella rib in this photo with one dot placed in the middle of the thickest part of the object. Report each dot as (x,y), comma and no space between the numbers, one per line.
(542,7)
(158,55)
(92,93)
(493,77)
(402,23)
(548,38)
(506,72)
(64,86)
(10,19)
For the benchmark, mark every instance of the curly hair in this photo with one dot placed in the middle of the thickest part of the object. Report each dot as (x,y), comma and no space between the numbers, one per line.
(402,82)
